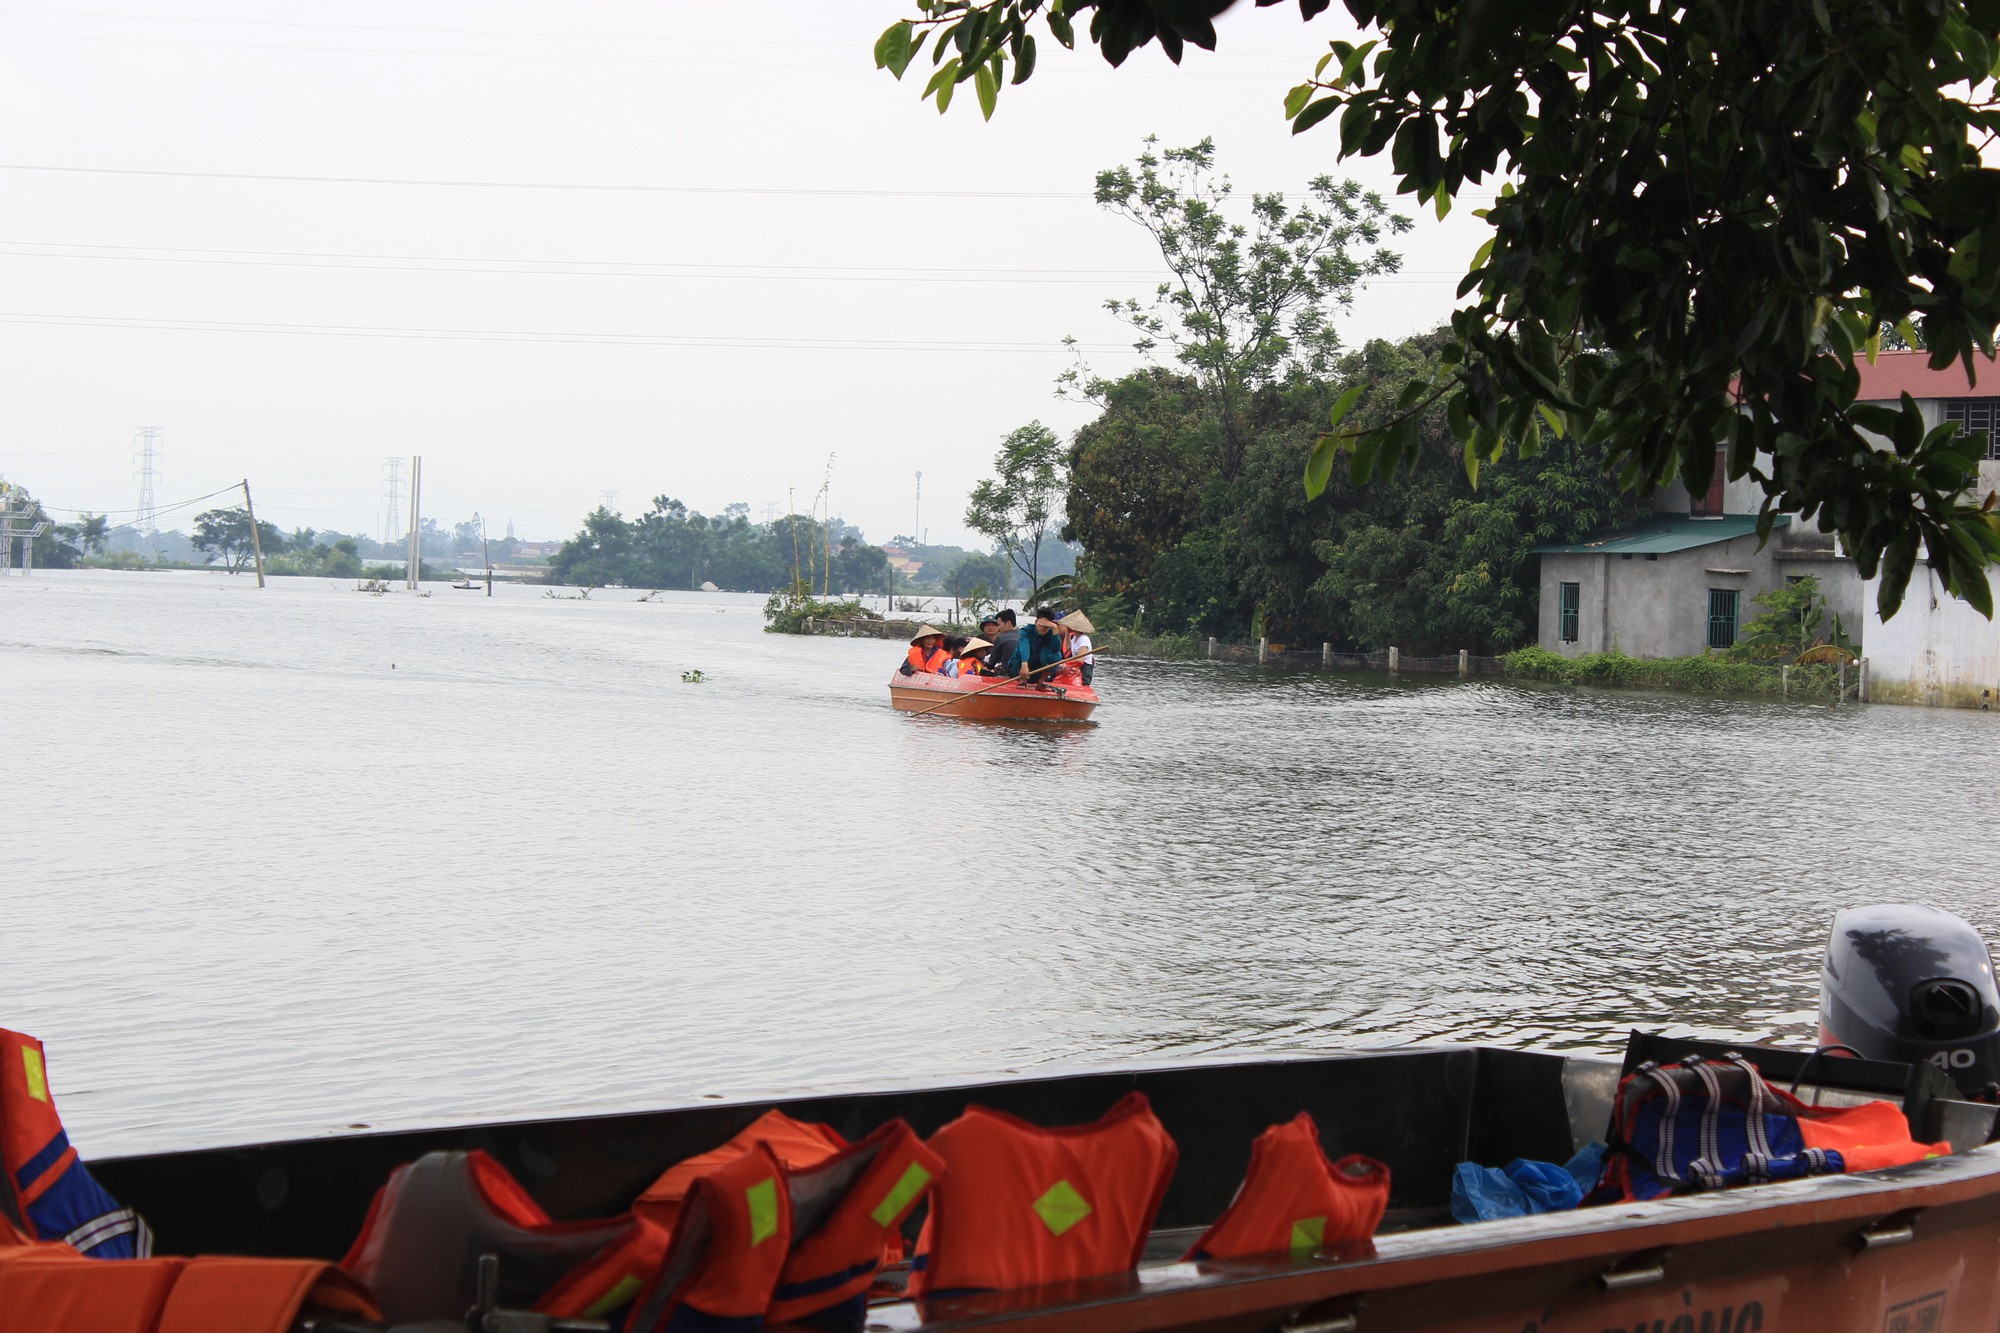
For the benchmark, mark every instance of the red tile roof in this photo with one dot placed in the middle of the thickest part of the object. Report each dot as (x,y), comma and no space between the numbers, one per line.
(1894,374)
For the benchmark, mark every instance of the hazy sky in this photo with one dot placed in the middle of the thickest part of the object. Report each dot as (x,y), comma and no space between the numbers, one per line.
(708,245)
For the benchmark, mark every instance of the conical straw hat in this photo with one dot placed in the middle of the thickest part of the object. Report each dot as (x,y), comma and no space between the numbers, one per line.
(1078,621)
(973,646)
(925,630)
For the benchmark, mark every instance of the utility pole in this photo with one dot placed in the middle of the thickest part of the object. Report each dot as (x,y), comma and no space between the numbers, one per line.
(416,557)
(256,541)
(22,524)
(486,553)
(917,532)
(392,486)
(148,462)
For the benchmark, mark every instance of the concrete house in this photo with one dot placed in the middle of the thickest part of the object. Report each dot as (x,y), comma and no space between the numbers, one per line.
(1936,649)
(1683,580)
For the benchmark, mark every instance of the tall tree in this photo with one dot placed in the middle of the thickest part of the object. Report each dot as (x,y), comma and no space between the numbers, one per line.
(1017,508)
(1249,301)
(226,533)
(1711,211)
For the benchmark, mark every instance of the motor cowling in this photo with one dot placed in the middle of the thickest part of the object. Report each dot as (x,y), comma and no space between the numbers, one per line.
(1909,983)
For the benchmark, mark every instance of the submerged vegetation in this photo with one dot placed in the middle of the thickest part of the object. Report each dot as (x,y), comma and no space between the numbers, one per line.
(1705,674)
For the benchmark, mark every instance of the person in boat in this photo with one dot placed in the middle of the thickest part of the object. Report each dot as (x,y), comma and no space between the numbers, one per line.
(972,658)
(1041,648)
(954,645)
(927,653)
(1077,642)
(1004,658)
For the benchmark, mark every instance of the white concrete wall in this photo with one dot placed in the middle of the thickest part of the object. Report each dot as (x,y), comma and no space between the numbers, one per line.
(1935,650)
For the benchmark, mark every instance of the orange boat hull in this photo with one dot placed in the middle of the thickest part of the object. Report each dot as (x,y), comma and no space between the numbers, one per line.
(978,700)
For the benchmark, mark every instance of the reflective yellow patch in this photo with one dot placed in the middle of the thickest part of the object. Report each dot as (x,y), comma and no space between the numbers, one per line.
(1307,1233)
(763,1200)
(1061,1208)
(906,1188)
(38,1078)
(627,1287)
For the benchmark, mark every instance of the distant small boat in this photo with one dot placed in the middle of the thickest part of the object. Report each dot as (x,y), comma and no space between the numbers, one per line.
(978,698)
(467,586)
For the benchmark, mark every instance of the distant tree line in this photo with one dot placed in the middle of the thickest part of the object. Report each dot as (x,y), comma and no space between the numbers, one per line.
(672,546)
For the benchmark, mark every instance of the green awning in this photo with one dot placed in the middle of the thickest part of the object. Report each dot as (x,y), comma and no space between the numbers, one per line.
(1658,536)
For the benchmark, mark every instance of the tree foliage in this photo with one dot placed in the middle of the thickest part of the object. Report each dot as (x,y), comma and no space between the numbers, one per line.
(1711,212)
(1249,302)
(225,534)
(671,546)
(1018,507)
(1421,560)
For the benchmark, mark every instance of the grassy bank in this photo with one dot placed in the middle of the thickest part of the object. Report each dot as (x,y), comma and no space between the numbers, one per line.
(1166,647)
(1705,674)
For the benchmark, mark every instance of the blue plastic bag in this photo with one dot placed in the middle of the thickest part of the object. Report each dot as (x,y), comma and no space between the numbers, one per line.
(1523,1188)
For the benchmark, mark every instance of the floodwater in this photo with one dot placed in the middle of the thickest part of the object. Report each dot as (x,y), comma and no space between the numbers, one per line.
(283,862)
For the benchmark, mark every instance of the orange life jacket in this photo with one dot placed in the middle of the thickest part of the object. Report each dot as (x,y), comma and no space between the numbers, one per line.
(1293,1200)
(1867,1137)
(53,1289)
(970,665)
(420,1244)
(1021,1206)
(612,1278)
(47,1194)
(845,1213)
(730,1242)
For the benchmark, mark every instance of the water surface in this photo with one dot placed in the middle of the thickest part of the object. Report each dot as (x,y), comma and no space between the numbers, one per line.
(281,862)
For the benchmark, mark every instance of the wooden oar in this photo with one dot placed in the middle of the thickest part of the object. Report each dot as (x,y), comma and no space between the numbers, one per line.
(1010,680)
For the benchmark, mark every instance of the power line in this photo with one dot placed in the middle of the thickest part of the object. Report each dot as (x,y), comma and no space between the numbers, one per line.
(534,336)
(162,509)
(595,271)
(818,191)
(718,272)
(592,263)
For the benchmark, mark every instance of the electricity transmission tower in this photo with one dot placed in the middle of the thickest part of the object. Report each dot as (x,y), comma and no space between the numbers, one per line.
(146,458)
(610,500)
(392,490)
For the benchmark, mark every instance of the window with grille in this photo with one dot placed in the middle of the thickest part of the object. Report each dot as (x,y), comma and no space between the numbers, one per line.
(1570,602)
(1975,415)
(1722,617)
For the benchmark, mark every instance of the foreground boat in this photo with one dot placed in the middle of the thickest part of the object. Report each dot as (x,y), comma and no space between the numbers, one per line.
(1906,1250)
(979,699)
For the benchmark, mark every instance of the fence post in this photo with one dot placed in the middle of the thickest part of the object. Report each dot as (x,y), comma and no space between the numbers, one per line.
(1263,649)
(1465,661)
(1211,646)
(1841,697)
(1392,659)
(1784,682)
(1326,654)
(1861,685)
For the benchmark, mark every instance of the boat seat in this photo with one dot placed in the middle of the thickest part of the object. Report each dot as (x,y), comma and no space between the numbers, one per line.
(421,1245)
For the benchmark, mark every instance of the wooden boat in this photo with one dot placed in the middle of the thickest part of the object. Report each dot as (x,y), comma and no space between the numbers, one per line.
(979,699)
(1907,1250)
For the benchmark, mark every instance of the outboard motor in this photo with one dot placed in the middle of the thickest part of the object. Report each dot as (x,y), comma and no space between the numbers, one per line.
(1909,983)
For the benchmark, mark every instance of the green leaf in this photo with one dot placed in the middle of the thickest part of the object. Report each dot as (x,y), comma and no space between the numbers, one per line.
(1343,404)
(1296,99)
(1319,464)
(1059,25)
(946,75)
(1472,452)
(1024,59)
(894,48)
(1442,197)
(1314,114)
(988,89)
(945,91)
(1554,418)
